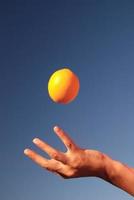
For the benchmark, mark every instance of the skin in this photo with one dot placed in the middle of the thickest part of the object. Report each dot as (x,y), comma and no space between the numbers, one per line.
(77,162)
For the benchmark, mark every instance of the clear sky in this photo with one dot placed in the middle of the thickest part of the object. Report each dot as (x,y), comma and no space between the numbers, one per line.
(96,40)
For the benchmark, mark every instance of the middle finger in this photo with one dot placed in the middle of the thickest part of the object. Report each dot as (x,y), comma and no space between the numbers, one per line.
(53,153)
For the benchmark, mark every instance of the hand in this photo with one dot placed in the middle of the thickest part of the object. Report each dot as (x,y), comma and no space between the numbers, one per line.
(78,162)
(75,162)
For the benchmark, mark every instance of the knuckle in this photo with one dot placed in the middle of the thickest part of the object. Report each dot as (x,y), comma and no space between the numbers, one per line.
(76,162)
(55,155)
(69,145)
(71,173)
(35,158)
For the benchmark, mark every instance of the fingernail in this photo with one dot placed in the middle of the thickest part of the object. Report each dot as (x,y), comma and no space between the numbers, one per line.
(56,128)
(36,140)
(26,151)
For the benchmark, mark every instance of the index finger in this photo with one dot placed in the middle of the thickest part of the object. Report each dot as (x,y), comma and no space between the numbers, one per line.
(68,142)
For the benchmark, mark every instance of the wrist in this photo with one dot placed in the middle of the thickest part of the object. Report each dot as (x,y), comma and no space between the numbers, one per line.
(118,174)
(109,168)
(99,162)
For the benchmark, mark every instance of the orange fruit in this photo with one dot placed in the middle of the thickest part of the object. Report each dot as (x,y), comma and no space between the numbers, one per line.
(63,86)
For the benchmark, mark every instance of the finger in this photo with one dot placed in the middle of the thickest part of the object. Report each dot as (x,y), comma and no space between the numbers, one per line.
(51,165)
(68,142)
(53,153)
(43,162)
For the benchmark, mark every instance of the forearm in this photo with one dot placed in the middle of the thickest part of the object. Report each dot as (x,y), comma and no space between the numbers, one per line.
(119,175)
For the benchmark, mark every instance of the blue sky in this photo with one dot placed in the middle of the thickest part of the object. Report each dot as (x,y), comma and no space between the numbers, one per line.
(95,40)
